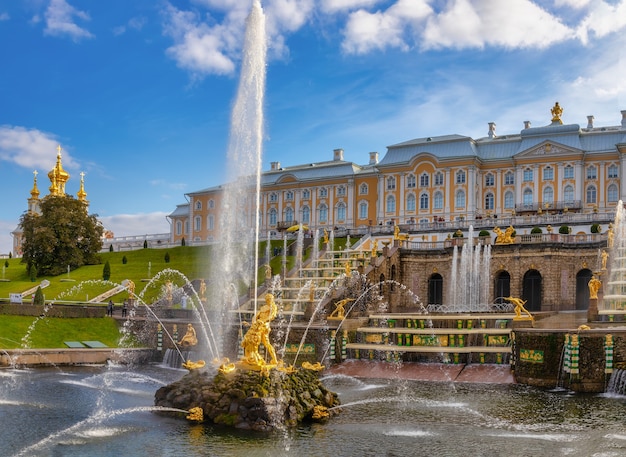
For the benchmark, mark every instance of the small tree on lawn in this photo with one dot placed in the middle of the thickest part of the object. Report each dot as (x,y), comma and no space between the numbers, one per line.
(124,260)
(32,272)
(106,271)
(110,248)
(145,244)
(182,242)
(38,299)
(167,257)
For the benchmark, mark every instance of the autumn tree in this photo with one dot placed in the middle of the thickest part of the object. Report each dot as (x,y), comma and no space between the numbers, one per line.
(62,235)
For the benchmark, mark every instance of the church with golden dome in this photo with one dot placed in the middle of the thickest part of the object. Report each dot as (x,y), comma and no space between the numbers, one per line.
(58,177)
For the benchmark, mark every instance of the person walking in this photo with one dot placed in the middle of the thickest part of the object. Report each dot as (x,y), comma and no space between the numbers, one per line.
(110,308)
(124,308)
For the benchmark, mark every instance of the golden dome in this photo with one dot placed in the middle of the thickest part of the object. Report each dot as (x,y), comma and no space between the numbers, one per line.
(58,176)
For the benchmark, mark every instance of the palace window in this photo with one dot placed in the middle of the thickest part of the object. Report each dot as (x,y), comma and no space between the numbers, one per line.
(568,194)
(592,172)
(341,212)
(198,205)
(289,195)
(273,217)
(306,214)
(591,194)
(210,222)
(568,172)
(548,173)
(391,183)
(459,199)
(509,200)
(179,227)
(323,192)
(490,180)
(509,178)
(211,204)
(341,191)
(489,201)
(306,194)
(438,200)
(528,175)
(323,210)
(424,201)
(391,204)
(363,189)
(460,178)
(410,181)
(197,223)
(424,180)
(273,197)
(528,197)
(288,214)
(548,195)
(410,202)
(439,179)
(612,173)
(612,193)
(363,210)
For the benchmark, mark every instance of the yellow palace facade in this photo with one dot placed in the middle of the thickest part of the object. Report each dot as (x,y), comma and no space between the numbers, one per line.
(425,183)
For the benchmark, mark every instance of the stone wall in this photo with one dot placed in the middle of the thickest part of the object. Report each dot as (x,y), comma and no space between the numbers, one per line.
(54,310)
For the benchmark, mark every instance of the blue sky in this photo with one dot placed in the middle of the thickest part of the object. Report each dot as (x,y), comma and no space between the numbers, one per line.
(139,93)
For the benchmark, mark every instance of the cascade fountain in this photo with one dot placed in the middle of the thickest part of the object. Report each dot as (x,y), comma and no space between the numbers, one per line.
(614,298)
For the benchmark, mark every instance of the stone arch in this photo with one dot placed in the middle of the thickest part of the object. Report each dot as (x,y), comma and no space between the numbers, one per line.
(435,289)
(532,290)
(582,288)
(501,286)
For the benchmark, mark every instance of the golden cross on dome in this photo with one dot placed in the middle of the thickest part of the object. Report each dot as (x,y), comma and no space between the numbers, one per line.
(82,175)
(59,149)
(35,173)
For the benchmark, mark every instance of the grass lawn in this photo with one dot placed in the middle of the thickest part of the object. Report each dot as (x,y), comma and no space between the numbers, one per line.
(51,332)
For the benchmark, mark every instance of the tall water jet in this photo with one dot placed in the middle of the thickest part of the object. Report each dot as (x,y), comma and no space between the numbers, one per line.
(614,299)
(237,255)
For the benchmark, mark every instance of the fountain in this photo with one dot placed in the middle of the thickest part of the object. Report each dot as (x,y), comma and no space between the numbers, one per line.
(613,301)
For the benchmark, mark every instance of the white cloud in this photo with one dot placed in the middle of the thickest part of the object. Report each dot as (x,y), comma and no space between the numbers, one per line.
(602,20)
(572,3)
(60,21)
(136,224)
(30,148)
(4,16)
(333,6)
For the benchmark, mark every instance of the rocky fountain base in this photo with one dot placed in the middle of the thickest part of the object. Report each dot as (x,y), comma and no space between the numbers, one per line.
(247,399)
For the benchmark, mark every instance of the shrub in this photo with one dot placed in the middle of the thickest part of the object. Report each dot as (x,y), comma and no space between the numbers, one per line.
(595,228)
(167,257)
(536,230)
(458,234)
(145,244)
(106,271)
(38,299)
(32,272)
(564,230)
(124,260)
(6,263)
(484,233)
(110,248)
(182,242)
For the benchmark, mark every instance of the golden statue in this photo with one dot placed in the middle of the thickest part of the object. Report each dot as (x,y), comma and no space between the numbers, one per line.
(190,338)
(347,268)
(397,235)
(340,313)
(519,308)
(374,248)
(594,286)
(130,287)
(320,412)
(611,236)
(268,271)
(325,236)
(202,289)
(312,366)
(196,414)
(583,327)
(605,256)
(557,112)
(258,334)
(189,365)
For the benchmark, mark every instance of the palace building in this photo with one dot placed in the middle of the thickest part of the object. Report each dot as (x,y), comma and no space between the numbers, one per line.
(426,184)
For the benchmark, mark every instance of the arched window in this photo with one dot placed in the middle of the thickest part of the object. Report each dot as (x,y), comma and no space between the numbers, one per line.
(306,194)
(568,172)
(509,178)
(424,180)
(341,191)
(273,217)
(528,175)
(612,193)
(288,214)
(211,204)
(391,183)
(591,194)
(568,194)
(460,177)
(548,173)
(438,200)
(439,179)
(289,195)
(592,172)
(323,192)
(363,210)
(210,222)
(197,223)
(459,199)
(306,214)
(323,209)
(509,200)
(490,180)
(424,200)
(612,173)
(489,201)
(198,205)
(410,181)
(410,202)
(391,204)
(548,195)
(179,227)
(528,197)
(363,189)
(341,212)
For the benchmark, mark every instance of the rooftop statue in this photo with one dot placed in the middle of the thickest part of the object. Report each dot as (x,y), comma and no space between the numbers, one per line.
(557,111)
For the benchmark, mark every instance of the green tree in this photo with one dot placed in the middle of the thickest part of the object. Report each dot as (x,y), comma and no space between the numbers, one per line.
(110,248)
(106,271)
(167,257)
(124,260)
(145,244)
(38,299)
(6,263)
(32,272)
(182,242)
(62,234)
